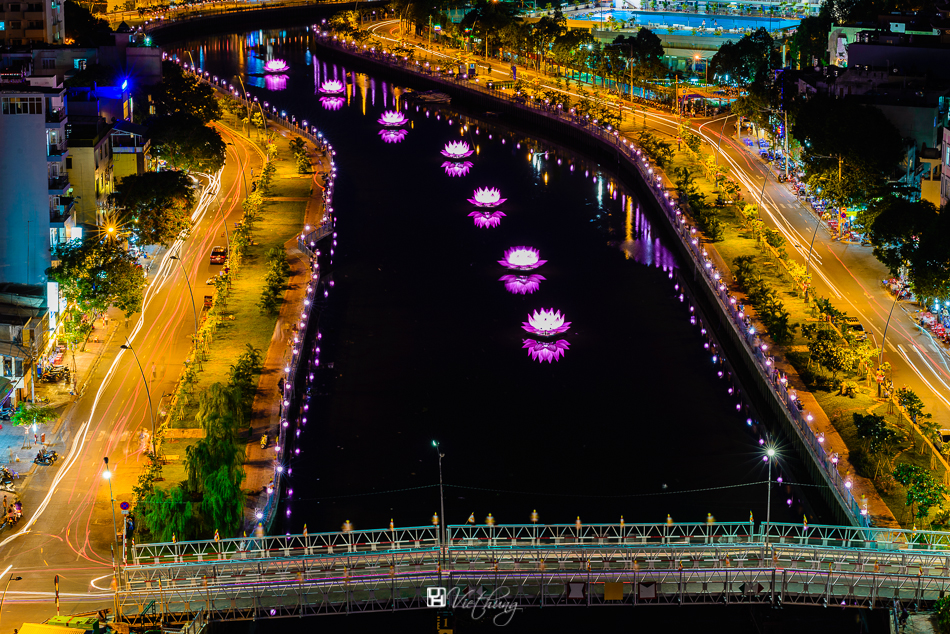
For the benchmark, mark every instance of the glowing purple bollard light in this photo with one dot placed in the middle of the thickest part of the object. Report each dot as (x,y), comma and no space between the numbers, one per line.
(546,323)
(457,150)
(392,136)
(546,350)
(456,169)
(521,284)
(486,219)
(522,258)
(393,118)
(332,87)
(487,197)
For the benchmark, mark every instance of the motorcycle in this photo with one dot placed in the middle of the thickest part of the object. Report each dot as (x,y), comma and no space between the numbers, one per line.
(45,457)
(7,477)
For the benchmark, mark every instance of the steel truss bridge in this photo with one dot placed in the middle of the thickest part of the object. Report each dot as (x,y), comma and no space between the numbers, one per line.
(535,566)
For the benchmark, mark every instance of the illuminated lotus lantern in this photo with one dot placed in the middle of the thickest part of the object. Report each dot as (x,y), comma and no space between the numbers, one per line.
(522,258)
(332,86)
(332,103)
(457,150)
(457,169)
(546,323)
(486,219)
(487,197)
(276,66)
(392,136)
(546,350)
(392,118)
(521,284)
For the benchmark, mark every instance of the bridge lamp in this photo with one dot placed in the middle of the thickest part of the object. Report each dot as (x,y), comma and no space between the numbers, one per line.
(768,457)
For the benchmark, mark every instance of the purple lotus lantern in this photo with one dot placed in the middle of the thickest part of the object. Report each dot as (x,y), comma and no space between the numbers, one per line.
(392,136)
(276,66)
(521,284)
(392,118)
(332,103)
(522,258)
(457,150)
(332,86)
(486,219)
(546,350)
(457,169)
(487,197)
(546,323)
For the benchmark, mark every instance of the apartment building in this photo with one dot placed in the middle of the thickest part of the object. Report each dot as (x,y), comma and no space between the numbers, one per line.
(30,23)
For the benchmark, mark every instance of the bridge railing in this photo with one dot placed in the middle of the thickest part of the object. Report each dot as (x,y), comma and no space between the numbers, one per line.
(857,537)
(416,537)
(480,535)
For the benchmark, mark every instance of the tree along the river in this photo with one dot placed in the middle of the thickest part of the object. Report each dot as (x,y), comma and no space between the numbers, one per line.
(186,143)
(646,51)
(156,206)
(748,61)
(180,93)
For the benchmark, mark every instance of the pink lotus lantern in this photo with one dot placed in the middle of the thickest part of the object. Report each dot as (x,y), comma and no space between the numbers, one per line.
(392,136)
(332,86)
(276,66)
(546,350)
(546,323)
(457,169)
(486,219)
(457,150)
(392,118)
(522,258)
(487,197)
(332,103)
(521,284)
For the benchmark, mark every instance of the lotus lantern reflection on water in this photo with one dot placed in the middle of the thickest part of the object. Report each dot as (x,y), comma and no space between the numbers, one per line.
(546,350)
(486,219)
(392,118)
(457,150)
(521,284)
(276,66)
(332,103)
(332,86)
(546,323)
(457,169)
(392,136)
(487,197)
(522,258)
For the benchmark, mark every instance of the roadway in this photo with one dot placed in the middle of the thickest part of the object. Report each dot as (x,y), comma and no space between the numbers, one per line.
(847,274)
(68,522)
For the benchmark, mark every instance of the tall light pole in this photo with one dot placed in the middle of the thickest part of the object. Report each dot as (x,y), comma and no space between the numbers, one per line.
(900,289)
(128,346)
(241,163)
(4,595)
(435,443)
(769,454)
(108,476)
(808,257)
(188,282)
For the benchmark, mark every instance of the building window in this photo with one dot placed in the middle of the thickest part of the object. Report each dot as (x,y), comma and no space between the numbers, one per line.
(3,26)
(21,105)
(69,162)
(49,64)
(7,366)
(14,24)
(79,64)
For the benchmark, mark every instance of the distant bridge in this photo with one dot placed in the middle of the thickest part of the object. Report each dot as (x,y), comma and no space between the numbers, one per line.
(536,565)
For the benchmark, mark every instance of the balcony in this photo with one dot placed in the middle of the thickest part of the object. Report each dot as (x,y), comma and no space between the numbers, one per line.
(59,214)
(56,115)
(58,185)
(56,152)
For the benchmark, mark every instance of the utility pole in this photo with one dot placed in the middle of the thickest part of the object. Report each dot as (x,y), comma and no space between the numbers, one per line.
(786,146)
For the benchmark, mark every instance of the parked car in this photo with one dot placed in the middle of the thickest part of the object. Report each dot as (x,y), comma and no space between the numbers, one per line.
(853,324)
(219,255)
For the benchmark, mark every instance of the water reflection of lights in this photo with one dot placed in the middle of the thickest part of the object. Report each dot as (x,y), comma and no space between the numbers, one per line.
(276,66)
(332,103)
(392,117)
(457,169)
(522,258)
(487,197)
(275,82)
(546,350)
(457,149)
(486,219)
(546,323)
(332,86)
(521,284)
(392,136)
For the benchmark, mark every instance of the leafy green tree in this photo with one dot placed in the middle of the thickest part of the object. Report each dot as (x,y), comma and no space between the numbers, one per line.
(97,274)
(168,514)
(82,27)
(923,491)
(179,93)
(222,505)
(545,32)
(32,415)
(486,19)
(748,61)
(157,205)
(646,50)
(826,351)
(810,40)
(187,144)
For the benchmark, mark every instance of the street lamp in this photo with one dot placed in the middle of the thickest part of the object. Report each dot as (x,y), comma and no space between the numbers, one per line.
(897,296)
(4,595)
(188,282)
(241,163)
(769,455)
(435,443)
(108,476)
(128,346)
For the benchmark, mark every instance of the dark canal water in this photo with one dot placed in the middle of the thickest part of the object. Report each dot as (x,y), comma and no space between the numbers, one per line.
(422,341)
